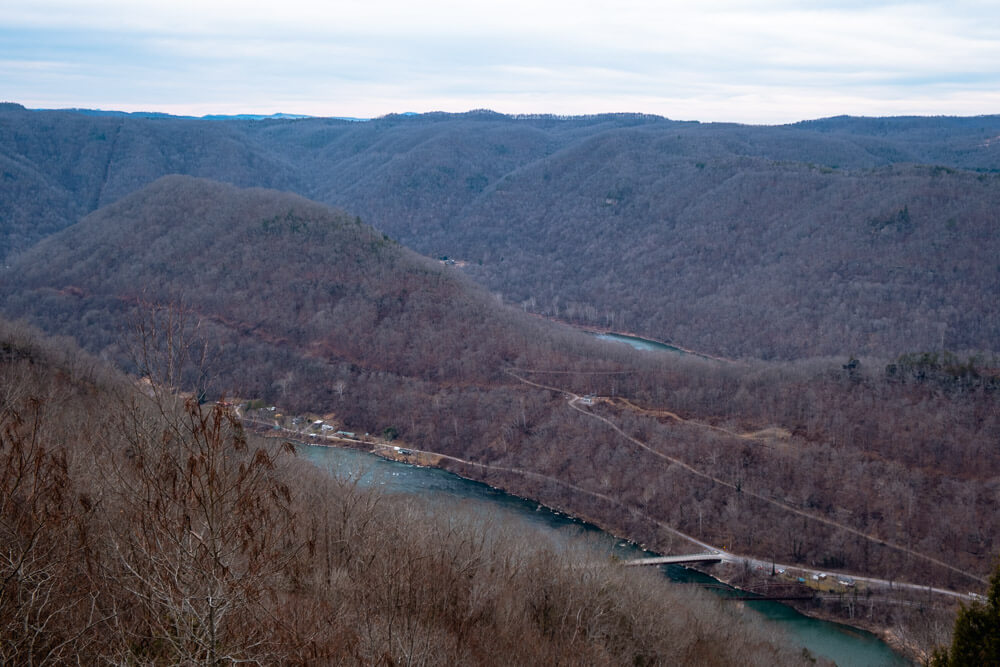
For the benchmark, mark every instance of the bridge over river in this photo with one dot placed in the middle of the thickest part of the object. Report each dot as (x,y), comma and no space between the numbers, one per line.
(708,557)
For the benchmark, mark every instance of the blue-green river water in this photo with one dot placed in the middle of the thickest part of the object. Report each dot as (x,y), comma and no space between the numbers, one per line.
(640,343)
(844,645)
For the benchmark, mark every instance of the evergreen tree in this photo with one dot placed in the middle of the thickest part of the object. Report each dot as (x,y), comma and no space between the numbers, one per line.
(976,640)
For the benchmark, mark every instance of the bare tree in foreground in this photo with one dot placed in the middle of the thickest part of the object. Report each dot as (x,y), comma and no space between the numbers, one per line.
(205,534)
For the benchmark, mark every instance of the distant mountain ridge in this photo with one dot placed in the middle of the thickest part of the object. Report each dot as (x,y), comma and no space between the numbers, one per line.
(160,114)
(739,240)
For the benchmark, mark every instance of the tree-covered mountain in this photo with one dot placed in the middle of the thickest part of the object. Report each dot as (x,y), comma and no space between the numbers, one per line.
(137,527)
(283,286)
(59,166)
(848,465)
(835,236)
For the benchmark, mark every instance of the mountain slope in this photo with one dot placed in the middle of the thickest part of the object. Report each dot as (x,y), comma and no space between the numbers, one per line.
(745,258)
(745,241)
(75,164)
(150,531)
(307,308)
(266,271)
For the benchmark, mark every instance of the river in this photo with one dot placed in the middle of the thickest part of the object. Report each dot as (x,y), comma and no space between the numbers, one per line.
(842,644)
(640,343)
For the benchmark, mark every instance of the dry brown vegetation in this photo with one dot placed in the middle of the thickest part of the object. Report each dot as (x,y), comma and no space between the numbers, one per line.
(141,528)
(889,466)
(834,237)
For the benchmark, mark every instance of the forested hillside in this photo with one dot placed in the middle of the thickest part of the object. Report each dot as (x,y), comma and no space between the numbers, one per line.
(137,527)
(852,465)
(831,237)
(285,288)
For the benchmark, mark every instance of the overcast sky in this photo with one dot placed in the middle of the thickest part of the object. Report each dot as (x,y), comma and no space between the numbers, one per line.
(764,61)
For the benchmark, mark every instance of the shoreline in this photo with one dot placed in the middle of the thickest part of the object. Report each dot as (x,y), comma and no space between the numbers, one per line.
(400,453)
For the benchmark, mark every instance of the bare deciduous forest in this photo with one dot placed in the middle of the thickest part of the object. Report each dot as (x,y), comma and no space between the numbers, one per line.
(846,267)
(832,237)
(139,527)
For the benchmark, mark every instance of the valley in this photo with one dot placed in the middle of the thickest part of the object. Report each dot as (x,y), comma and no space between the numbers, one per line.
(824,640)
(835,278)
(845,590)
(841,236)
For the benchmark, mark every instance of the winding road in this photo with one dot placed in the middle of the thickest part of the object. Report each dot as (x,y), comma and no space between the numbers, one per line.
(574,402)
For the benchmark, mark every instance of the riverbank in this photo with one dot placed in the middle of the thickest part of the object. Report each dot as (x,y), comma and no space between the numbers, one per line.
(860,610)
(861,607)
(835,641)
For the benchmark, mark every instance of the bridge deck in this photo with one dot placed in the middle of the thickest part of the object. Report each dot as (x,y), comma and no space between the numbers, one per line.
(676,560)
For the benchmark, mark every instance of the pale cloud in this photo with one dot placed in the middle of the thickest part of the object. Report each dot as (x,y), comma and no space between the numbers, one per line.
(713,60)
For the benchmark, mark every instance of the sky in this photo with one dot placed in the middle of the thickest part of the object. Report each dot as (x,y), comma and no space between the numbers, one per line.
(760,61)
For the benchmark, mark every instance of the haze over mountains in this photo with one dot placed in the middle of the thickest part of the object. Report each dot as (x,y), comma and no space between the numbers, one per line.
(841,236)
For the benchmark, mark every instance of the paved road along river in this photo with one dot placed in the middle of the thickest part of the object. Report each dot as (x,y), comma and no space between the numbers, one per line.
(845,645)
